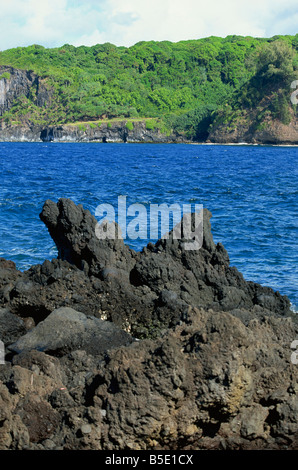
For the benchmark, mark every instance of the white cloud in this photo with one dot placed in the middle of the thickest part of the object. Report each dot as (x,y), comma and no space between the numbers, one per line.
(96,37)
(56,22)
(176,20)
(47,22)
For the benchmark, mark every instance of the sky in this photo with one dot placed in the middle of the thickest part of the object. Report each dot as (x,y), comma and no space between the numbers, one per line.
(53,23)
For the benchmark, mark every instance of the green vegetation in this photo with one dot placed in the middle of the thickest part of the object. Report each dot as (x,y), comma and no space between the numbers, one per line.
(266,95)
(184,86)
(5,75)
(129,125)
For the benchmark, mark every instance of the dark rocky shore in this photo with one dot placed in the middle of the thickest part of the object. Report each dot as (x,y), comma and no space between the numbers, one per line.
(107,132)
(112,349)
(117,131)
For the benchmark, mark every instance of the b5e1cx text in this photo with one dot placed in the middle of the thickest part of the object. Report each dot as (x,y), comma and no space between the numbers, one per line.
(165,459)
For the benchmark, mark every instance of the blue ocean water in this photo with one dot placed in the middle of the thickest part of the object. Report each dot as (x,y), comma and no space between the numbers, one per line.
(251,192)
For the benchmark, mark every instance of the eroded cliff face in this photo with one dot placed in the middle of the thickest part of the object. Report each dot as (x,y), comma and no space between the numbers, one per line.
(274,133)
(15,83)
(19,133)
(116,131)
(271,132)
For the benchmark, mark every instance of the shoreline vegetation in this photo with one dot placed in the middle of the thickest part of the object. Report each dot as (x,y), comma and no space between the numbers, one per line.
(219,90)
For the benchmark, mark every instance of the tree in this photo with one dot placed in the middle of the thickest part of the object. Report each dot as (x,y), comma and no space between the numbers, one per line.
(275,61)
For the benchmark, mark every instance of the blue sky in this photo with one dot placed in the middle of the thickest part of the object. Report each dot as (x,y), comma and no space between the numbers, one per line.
(52,23)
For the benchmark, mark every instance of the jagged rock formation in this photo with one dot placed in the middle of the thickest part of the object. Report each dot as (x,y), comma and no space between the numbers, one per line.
(190,355)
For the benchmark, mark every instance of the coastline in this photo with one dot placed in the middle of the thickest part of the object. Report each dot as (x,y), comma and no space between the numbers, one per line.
(152,139)
(157,141)
(139,131)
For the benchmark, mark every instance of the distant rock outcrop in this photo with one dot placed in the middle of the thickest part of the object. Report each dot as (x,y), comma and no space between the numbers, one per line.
(115,131)
(107,132)
(270,133)
(161,349)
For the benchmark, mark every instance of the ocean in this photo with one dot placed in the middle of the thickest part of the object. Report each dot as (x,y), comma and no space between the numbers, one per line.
(251,191)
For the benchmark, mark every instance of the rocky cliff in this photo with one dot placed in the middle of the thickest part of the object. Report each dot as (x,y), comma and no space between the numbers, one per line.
(112,349)
(275,133)
(271,132)
(35,121)
(15,83)
(114,131)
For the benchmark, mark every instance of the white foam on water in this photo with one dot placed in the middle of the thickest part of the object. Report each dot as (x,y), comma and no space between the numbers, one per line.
(294,308)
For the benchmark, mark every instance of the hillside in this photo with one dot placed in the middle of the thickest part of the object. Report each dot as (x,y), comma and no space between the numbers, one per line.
(265,108)
(196,89)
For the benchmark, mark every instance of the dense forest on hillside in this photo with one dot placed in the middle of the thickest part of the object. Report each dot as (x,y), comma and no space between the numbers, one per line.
(185,85)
